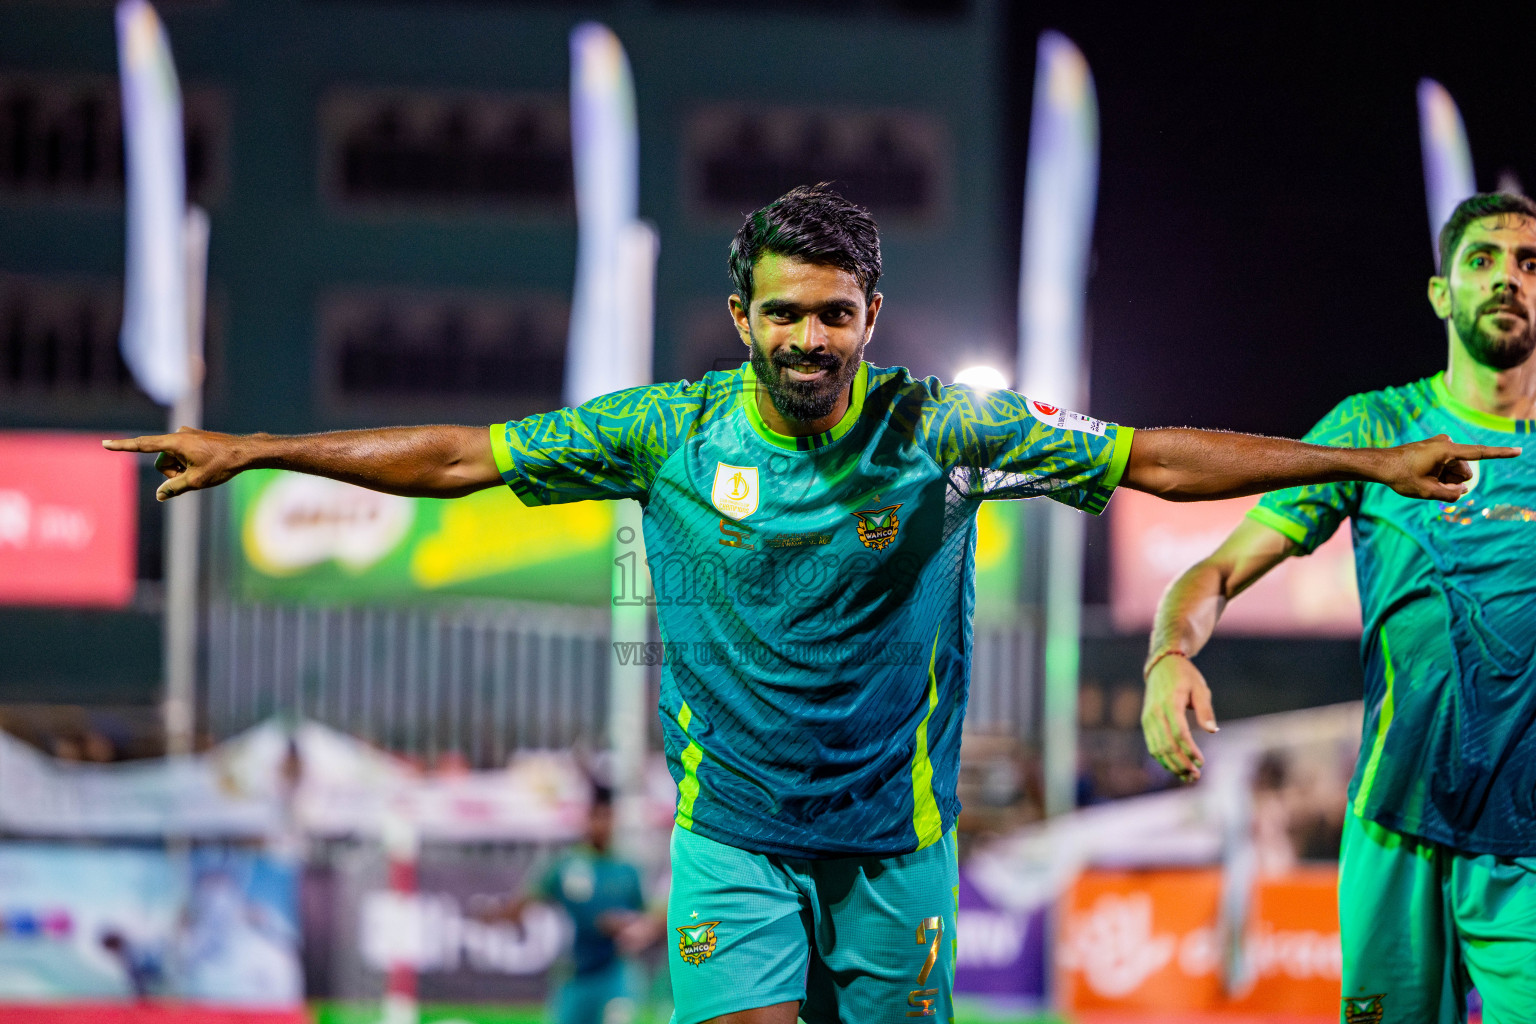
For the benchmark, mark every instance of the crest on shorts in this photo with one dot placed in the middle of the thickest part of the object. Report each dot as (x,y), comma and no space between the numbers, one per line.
(696,942)
(1363,1009)
(877,527)
(735,490)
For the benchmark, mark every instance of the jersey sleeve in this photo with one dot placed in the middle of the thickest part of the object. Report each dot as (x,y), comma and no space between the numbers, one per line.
(1000,444)
(610,447)
(1309,515)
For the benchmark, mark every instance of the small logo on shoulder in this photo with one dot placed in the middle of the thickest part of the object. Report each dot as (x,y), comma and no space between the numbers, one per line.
(696,943)
(1062,419)
(735,490)
(877,527)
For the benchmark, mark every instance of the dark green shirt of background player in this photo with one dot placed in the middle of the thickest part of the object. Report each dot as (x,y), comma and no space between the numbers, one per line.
(591,887)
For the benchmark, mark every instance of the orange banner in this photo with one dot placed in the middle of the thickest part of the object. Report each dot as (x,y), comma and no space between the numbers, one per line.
(1150,940)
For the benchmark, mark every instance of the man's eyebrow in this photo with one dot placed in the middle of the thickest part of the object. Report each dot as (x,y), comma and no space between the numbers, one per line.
(778,306)
(786,306)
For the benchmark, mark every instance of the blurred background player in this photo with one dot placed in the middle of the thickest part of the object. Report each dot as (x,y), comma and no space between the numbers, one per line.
(1435,884)
(602,895)
(813,728)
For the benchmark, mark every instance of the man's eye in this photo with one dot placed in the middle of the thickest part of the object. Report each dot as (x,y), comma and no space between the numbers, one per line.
(1529,266)
(1479,261)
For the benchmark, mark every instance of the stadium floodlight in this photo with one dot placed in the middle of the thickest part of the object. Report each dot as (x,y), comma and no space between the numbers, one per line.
(988,378)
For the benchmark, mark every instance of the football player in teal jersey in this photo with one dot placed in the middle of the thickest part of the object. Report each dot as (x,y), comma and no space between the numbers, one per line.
(1437,881)
(810,528)
(601,894)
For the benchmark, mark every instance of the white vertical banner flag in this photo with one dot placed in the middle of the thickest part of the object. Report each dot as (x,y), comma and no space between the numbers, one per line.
(154,336)
(603,353)
(1447,157)
(1060,192)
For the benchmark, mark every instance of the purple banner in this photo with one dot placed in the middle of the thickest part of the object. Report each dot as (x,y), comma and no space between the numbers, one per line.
(1001,952)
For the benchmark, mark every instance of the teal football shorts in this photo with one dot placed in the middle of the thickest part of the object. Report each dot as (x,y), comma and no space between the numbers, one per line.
(854,939)
(1420,921)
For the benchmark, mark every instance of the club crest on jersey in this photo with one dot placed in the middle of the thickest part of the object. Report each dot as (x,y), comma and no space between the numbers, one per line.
(1061,419)
(877,527)
(696,942)
(735,491)
(1363,1009)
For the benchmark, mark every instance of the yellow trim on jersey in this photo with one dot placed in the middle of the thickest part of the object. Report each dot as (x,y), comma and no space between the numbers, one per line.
(926,820)
(1382,725)
(507,466)
(1121,456)
(812,441)
(688,789)
(1477,417)
(1279,523)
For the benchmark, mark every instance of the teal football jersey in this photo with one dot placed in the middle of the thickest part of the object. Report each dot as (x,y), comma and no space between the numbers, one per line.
(814,594)
(1448,600)
(586,885)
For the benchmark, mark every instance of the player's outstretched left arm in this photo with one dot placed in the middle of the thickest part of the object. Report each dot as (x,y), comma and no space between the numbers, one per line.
(418,462)
(1182,464)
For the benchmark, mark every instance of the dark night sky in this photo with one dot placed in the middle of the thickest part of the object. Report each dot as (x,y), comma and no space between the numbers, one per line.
(1261,243)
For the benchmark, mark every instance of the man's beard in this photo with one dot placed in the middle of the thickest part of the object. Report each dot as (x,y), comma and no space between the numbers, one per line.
(804,400)
(1498,352)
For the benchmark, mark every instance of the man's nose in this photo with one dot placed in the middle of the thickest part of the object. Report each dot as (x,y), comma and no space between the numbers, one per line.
(814,336)
(1508,277)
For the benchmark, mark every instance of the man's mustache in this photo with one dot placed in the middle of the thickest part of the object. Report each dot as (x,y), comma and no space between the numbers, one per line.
(785,358)
(1502,306)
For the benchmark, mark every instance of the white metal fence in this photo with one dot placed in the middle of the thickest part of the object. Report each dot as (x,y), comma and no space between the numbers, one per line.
(480,681)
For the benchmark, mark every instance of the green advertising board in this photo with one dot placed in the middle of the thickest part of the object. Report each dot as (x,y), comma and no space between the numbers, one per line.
(305,538)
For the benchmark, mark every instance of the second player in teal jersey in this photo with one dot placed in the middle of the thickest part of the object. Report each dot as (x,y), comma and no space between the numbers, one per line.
(810,521)
(1437,887)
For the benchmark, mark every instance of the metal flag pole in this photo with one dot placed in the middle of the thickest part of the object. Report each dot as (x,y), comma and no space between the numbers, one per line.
(163,287)
(1060,189)
(610,349)
(183,516)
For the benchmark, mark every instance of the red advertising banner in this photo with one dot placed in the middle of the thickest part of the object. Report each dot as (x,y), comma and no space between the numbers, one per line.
(1148,941)
(68,521)
(1153,541)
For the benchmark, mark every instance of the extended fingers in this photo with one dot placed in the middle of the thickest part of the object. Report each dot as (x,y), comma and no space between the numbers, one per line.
(148,443)
(1483,451)
(1169,742)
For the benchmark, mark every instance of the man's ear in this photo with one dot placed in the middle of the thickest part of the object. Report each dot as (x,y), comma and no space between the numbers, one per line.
(869,315)
(740,315)
(1440,296)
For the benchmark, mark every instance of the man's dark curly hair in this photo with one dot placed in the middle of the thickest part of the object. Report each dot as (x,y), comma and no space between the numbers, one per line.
(810,223)
(1472,208)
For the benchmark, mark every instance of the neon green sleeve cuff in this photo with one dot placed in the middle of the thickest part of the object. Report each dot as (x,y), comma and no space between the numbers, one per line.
(1118,460)
(1275,521)
(507,467)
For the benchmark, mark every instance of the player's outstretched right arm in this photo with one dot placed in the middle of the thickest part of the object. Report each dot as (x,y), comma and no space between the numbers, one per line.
(1186,618)
(417,462)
